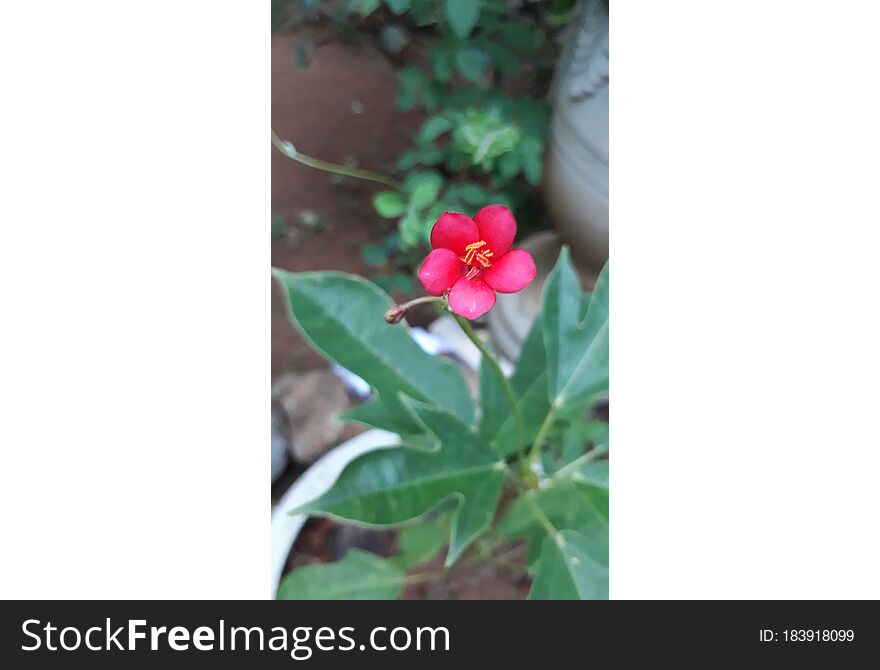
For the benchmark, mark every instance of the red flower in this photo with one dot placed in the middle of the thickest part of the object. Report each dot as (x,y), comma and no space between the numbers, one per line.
(471,259)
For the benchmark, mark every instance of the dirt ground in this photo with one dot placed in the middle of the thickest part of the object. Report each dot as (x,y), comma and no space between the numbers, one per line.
(339,108)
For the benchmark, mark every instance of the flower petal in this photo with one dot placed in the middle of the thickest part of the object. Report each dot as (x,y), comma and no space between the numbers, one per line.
(440,270)
(454,231)
(497,226)
(512,272)
(471,298)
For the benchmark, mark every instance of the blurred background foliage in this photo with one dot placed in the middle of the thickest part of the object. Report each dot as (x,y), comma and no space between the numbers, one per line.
(479,71)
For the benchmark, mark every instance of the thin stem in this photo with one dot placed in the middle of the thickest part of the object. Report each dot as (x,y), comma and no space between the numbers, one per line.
(396,313)
(289,150)
(496,368)
(539,513)
(583,459)
(542,435)
(422,300)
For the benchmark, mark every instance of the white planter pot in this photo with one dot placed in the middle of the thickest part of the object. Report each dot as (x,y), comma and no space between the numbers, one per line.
(576,160)
(315,481)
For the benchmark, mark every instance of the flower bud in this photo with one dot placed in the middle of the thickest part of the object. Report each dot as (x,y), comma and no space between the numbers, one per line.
(396,314)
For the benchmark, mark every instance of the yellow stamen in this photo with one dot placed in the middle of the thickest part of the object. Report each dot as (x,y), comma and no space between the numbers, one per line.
(474,253)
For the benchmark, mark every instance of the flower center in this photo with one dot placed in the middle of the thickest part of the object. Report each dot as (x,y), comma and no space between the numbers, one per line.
(477,256)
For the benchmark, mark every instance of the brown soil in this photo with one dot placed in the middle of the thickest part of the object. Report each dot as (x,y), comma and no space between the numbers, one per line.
(340,108)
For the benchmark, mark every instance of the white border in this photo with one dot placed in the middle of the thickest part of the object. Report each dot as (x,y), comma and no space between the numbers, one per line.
(134,292)
(744,309)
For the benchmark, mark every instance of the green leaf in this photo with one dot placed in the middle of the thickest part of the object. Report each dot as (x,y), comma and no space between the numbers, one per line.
(422,541)
(414,230)
(434,127)
(434,213)
(529,385)
(407,160)
(593,473)
(576,438)
(509,165)
(388,415)
(390,486)
(374,255)
(389,204)
(412,80)
(382,281)
(343,317)
(503,59)
(575,506)
(463,15)
(442,60)
(367,7)
(533,406)
(485,135)
(571,567)
(470,63)
(530,151)
(520,35)
(403,283)
(398,6)
(577,348)
(358,576)
(430,156)
(532,360)
(493,403)
(566,503)
(470,194)
(423,187)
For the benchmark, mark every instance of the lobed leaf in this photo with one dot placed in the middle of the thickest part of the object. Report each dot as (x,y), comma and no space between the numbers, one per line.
(343,317)
(422,541)
(529,385)
(572,566)
(388,415)
(390,486)
(577,346)
(575,504)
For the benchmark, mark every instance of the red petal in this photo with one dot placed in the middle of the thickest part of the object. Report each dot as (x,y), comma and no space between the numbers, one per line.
(439,271)
(497,226)
(454,231)
(512,272)
(471,298)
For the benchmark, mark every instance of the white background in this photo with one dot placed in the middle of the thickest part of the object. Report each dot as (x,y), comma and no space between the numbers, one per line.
(134,300)
(134,279)
(745,308)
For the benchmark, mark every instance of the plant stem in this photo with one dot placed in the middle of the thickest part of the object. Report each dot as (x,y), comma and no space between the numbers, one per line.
(289,150)
(539,514)
(583,459)
(541,436)
(396,313)
(422,300)
(496,368)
